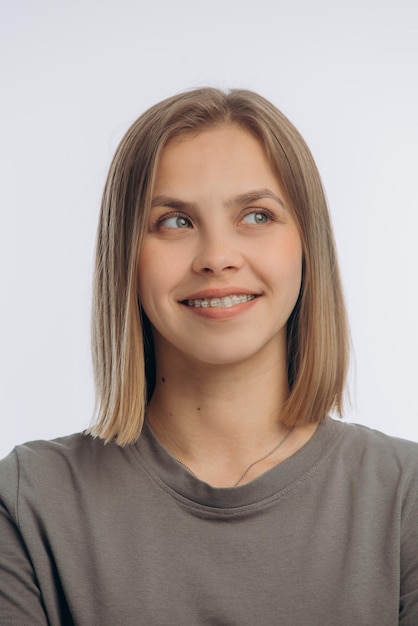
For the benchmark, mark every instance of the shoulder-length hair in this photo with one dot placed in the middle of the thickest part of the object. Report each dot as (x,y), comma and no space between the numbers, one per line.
(317,334)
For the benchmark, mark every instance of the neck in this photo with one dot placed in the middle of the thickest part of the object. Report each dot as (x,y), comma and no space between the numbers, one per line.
(223,418)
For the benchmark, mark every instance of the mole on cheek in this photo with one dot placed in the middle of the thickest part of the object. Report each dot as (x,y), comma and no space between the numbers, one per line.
(163,379)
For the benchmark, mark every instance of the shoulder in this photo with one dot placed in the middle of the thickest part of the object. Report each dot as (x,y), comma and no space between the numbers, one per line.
(386,463)
(42,470)
(373,443)
(41,456)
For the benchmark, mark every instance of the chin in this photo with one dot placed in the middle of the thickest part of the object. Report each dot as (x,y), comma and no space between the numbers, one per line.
(225,356)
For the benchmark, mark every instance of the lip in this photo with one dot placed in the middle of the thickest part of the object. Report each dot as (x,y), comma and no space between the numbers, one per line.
(220,292)
(220,313)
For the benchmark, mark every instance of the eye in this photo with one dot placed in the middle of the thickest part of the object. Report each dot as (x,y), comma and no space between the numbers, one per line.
(256,218)
(174,221)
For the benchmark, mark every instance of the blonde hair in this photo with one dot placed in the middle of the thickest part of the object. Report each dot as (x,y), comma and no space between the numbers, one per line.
(317,334)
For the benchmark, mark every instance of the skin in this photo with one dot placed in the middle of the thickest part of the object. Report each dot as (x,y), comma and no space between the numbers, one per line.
(220,227)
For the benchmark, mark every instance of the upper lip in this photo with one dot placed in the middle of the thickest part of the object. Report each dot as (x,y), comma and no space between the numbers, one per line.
(223,292)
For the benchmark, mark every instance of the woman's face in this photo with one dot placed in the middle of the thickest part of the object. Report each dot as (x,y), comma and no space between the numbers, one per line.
(221,264)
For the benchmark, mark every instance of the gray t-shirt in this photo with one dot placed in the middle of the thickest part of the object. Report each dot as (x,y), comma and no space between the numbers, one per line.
(94,534)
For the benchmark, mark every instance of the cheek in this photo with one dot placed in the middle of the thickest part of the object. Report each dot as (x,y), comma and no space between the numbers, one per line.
(148,272)
(286,259)
(296,258)
(158,271)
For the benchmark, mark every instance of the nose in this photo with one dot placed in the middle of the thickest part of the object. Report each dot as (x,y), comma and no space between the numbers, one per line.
(217,254)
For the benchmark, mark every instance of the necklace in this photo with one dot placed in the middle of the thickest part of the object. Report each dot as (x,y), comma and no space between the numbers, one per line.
(276,447)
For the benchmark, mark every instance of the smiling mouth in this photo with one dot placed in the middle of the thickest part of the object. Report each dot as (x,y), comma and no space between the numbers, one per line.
(218,303)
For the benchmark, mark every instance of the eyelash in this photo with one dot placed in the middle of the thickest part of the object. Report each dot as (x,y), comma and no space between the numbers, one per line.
(158,222)
(271,216)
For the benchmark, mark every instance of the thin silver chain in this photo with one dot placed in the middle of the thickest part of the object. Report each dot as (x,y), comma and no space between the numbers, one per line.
(276,447)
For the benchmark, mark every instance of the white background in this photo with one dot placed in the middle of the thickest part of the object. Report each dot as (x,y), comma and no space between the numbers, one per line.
(75,74)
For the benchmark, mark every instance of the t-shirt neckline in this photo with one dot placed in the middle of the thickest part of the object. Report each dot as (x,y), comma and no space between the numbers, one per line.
(165,469)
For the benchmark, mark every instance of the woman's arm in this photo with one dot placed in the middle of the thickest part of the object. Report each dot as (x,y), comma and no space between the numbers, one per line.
(408,610)
(20,597)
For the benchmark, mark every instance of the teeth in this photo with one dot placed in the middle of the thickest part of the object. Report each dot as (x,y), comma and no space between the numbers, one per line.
(227,302)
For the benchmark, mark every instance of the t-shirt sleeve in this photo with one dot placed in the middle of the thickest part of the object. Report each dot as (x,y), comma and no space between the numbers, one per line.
(408,615)
(20,597)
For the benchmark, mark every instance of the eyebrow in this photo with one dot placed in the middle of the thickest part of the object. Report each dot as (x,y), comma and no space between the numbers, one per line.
(244,198)
(252,196)
(173,203)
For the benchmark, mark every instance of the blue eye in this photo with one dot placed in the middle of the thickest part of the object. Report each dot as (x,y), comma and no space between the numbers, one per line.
(256,217)
(175,221)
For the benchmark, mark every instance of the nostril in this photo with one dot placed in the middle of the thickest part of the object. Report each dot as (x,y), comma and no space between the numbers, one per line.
(212,262)
(209,270)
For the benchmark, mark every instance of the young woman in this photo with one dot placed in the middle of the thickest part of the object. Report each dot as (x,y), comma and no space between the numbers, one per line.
(213,488)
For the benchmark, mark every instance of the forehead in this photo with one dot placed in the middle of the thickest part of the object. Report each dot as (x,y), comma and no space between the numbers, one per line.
(216,133)
(220,153)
